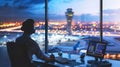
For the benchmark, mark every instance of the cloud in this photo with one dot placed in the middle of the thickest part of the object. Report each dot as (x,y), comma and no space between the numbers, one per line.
(109,11)
(27,3)
(111,15)
(13,8)
(21,4)
(67,1)
(30,1)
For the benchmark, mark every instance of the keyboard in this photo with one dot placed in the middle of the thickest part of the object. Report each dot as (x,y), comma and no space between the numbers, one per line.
(62,60)
(68,62)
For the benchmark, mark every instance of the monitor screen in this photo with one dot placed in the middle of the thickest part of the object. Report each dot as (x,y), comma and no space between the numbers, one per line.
(96,49)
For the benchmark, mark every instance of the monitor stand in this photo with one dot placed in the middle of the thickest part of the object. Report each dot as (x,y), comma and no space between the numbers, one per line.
(97,63)
(93,61)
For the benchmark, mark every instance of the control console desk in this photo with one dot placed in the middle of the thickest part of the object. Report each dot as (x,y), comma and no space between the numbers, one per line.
(76,61)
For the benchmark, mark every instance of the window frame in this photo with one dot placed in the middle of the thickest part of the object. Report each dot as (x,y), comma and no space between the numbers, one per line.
(46,23)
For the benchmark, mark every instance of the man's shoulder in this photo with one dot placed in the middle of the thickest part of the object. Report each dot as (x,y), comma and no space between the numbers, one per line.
(25,39)
(19,38)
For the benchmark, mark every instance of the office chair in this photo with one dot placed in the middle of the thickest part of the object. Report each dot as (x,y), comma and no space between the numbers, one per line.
(15,58)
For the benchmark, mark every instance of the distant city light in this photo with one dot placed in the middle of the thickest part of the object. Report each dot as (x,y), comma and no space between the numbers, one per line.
(4,36)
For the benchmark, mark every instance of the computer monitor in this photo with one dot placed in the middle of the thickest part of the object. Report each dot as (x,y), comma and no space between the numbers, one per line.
(96,49)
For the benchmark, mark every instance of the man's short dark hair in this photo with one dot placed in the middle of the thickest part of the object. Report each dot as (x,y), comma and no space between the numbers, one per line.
(28,26)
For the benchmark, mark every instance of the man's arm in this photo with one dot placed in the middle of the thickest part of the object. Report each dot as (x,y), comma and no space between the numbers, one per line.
(38,52)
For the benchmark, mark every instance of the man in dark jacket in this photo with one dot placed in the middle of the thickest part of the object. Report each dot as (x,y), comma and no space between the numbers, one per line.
(26,46)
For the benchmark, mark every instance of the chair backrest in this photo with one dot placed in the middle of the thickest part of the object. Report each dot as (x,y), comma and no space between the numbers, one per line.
(11,49)
(15,59)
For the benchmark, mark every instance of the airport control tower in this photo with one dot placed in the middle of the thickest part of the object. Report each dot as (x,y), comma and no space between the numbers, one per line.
(69,16)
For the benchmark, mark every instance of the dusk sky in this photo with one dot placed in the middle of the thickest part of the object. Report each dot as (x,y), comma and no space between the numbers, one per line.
(57,8)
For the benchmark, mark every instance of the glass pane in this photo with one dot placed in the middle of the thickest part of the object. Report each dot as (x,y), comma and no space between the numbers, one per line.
(111,27)
(14,12)
(71,22)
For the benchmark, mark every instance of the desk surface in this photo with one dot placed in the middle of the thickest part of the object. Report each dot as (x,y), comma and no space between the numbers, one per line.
(77,62)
